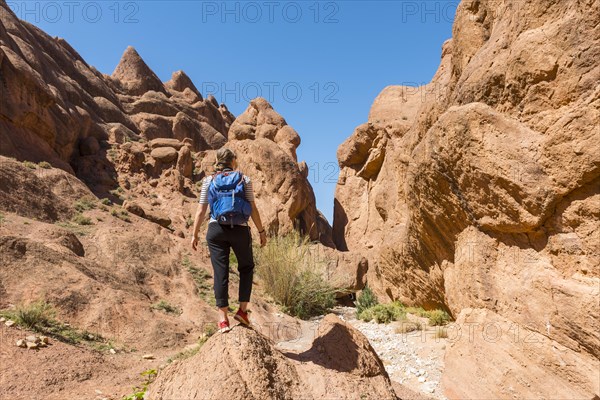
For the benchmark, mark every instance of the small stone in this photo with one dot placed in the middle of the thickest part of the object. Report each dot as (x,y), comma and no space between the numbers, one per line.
(42,344)
(98,391)
(33,339)
(2,319)
(90,337)
(31,345)
(112,351)
(148,356)
(9,323)
(44,339)
(421,379)
(21,343)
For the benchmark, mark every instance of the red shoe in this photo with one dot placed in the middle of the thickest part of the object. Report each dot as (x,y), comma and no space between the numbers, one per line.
(224,327)
(242,317)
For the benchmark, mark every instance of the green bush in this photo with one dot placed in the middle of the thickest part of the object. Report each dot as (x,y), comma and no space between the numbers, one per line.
(384,313)
(438,317)
(106,201)
(291,279)
(366,299)
(45,165)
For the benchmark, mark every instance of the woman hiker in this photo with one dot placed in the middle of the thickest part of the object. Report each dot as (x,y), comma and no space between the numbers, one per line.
(231,199)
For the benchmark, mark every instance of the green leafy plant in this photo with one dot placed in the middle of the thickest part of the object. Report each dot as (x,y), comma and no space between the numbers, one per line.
(291,278)
(366,299)
(139,391)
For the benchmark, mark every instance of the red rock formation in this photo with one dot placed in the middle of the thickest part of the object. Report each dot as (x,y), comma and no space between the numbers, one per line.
(480,192)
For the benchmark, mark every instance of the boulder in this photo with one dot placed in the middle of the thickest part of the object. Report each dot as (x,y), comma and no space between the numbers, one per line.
(166,142)
(158,218)
(340,361)
(165,155)
(184,162)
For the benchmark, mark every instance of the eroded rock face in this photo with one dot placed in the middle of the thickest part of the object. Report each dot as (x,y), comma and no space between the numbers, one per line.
(487,194)
(57,108)
(340,363)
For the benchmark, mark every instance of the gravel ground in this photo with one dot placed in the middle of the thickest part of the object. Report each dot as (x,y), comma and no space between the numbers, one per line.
(414,359)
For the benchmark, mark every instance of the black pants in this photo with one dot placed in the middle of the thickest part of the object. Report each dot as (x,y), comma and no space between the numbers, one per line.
(220,239)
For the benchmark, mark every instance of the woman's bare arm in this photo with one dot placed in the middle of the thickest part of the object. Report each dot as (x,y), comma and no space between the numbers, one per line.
(200,214)
(258,223)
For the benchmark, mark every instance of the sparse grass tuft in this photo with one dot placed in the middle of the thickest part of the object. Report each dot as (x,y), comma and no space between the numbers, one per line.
(208,330)
(30,164)
(45,165)
(118,193)
(106,201)
(85,203)
(112,154)
(163,305)
(201,279)
(441,332)
(80,219)
(1,218)
(39,316)
(406,326)
(189,221)
(291,279)
(123,215)
(35,315)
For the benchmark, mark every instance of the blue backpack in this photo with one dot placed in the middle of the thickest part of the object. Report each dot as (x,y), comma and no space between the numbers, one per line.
(227,198)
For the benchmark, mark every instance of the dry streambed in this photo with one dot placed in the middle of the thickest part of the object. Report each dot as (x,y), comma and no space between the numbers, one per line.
(414,359)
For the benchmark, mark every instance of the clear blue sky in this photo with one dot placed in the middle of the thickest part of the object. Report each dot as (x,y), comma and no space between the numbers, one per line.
(320,63)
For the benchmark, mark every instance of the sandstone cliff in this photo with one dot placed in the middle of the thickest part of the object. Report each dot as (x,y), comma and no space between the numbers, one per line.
(480,193)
